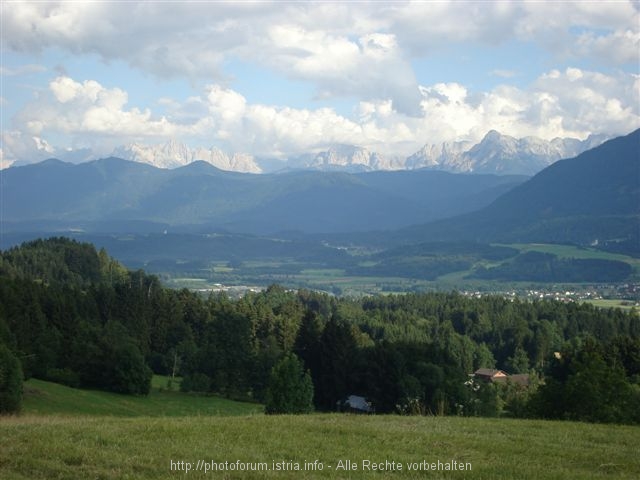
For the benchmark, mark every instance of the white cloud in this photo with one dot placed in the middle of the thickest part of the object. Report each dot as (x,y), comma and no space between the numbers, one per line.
(88,107)
(592,102)
(573,102)
(371,66)
(345,49)
(619,47)
(17,146)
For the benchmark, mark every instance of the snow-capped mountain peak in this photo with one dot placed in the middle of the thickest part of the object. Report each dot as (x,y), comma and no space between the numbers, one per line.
(496,153)
(500,154)
(175,154)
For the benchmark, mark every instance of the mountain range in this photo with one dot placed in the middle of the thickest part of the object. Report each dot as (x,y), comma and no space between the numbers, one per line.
(199,196)
(494,154)
(500,154)
(591,199)
(174,154)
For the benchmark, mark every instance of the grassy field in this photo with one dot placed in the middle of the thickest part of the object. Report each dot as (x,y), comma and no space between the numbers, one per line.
(622,304)
(66,433)
(572,251)
(39,447)
(45,398)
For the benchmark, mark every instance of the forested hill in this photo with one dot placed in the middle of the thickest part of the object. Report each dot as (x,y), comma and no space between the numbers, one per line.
(116,195)
(592,198)
(109,329)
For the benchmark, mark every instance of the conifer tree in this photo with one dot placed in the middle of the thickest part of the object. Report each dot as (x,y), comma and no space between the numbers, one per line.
(10,381)
(290,388)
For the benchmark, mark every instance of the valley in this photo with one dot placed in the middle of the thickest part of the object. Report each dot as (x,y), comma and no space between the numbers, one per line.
(354,280)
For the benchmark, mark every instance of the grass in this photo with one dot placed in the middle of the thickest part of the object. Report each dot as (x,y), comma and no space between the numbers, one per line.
(572,251)
(46,398)
(67,433)
(622,304)
(38,447)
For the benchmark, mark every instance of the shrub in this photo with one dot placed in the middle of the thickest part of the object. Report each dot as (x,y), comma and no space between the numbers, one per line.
(195,382)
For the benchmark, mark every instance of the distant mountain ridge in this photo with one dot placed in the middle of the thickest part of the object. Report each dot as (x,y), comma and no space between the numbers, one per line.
(494,154)
(591,199)
(501,154)
(115,191)
(173,155)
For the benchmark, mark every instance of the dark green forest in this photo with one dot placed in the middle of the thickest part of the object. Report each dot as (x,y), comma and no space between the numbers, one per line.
(73,315)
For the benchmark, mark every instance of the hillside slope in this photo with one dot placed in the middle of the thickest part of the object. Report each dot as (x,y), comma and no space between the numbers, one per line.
(593,198)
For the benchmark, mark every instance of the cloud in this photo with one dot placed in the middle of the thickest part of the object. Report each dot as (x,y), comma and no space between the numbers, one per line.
(503,73)
(619,47)
(604,33)
(371,66)
(17,146)
(584,101)
(73,108)
(273,131)
(22,70)
(569,103)
(361,50)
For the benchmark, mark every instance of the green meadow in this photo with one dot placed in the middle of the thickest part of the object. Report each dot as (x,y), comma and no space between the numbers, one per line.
(46,398)
(573,251)
(66,433)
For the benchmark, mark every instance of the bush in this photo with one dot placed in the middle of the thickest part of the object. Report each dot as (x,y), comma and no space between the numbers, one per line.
(64,376)
(10,381)
(195,382)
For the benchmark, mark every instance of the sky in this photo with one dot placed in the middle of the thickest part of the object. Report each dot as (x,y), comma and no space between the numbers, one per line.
(278,79)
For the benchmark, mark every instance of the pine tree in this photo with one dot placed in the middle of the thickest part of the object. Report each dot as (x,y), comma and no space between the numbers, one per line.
(290,388)
(10,381)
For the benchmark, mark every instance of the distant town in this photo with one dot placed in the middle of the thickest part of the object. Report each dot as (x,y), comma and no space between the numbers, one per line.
(626,295)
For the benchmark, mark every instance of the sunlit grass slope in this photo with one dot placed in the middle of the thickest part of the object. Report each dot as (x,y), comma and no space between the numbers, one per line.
(68,434)
(39,447)
(93,437)
(51,398)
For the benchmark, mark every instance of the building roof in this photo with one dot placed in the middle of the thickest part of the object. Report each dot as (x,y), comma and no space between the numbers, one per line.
(493,375)
(489,372)
(520,379)
(358,403)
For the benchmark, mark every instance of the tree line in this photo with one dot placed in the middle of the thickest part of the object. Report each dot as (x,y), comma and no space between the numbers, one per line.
(71,314)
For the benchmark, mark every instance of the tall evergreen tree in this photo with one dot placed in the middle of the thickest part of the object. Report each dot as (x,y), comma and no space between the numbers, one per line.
(290,388)
(10,381)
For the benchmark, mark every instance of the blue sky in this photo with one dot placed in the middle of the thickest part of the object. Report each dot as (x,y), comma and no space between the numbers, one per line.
(277,79)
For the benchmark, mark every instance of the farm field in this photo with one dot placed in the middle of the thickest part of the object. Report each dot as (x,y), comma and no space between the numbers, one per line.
(622,304)
(343,281)
(142,440)
(572,251)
